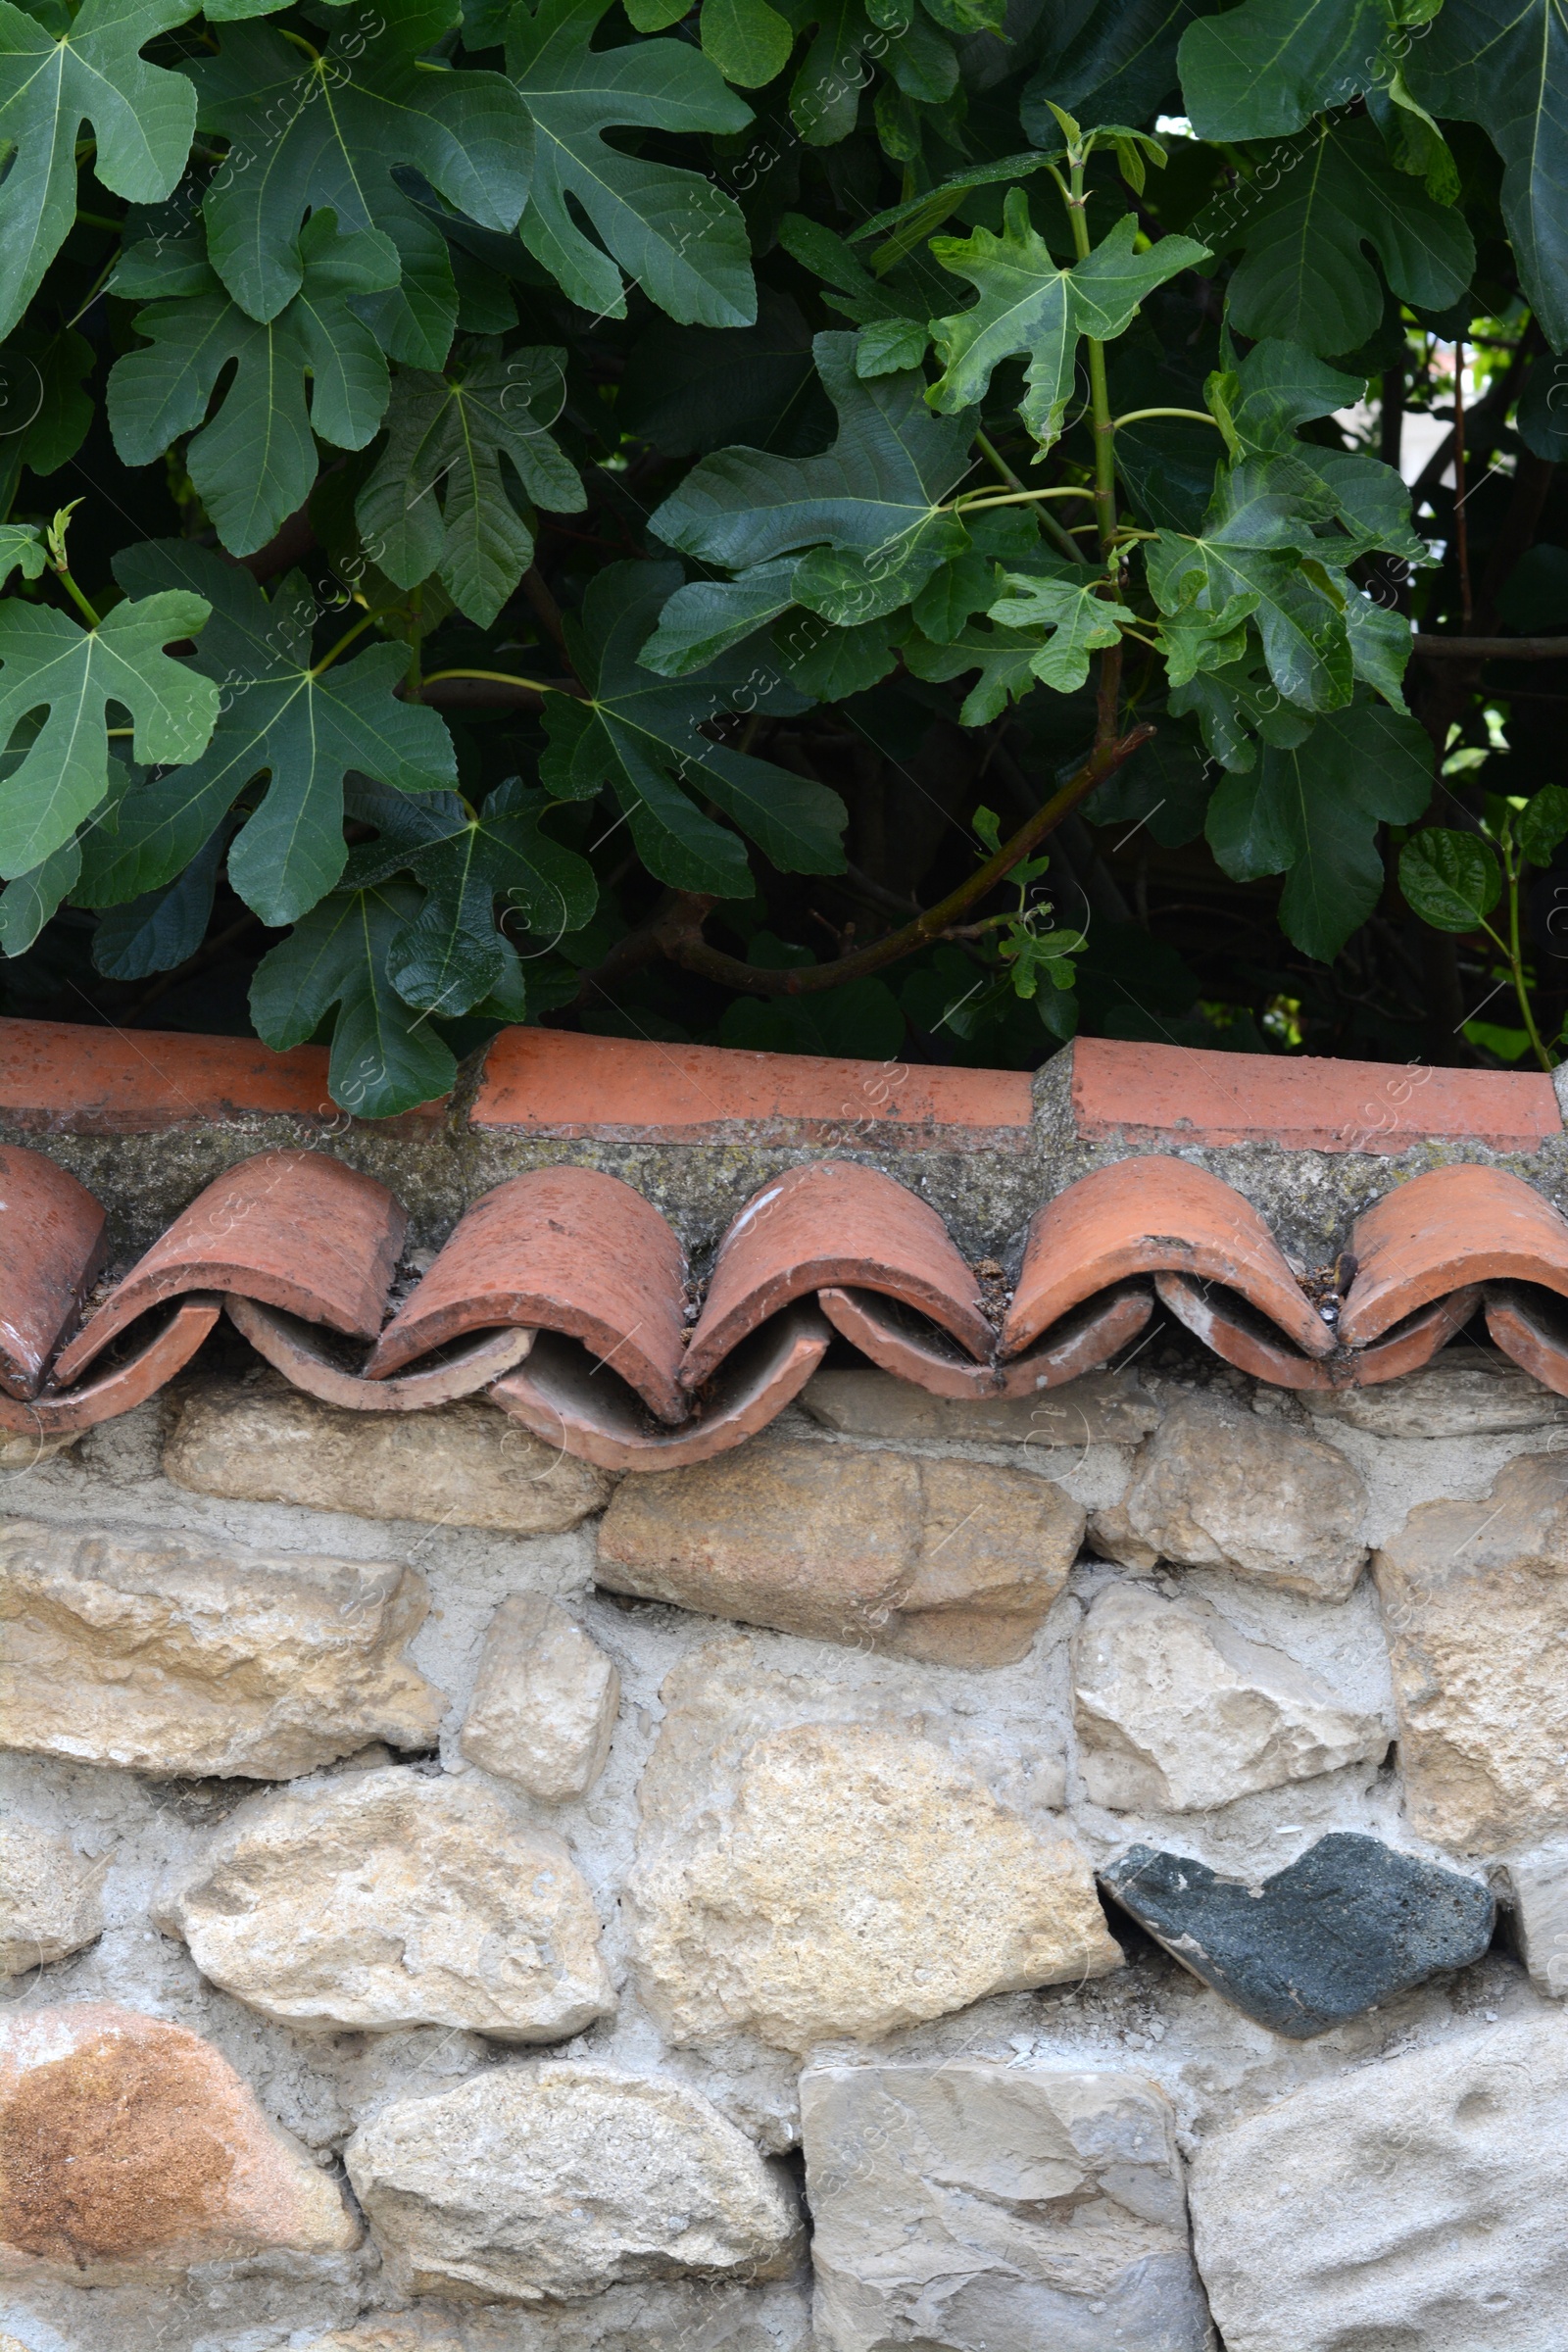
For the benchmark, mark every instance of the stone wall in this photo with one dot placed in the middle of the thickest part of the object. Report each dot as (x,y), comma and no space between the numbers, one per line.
(1005,1877)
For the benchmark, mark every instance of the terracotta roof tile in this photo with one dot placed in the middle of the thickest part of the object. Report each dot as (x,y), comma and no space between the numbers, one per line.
(128,1383)
(561,1293)
(830,1223)
(297,1229)
(1531,1329)
(910,1348)
(86,1081)
(1444,1230)
(51,1246)
(563,1249)
(547,1082)
(1147,1216)
(556,1394)
(296,1349)
(1144,1093)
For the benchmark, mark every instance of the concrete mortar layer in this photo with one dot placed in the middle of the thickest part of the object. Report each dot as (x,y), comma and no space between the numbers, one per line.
(986,1194)
(1011,1727)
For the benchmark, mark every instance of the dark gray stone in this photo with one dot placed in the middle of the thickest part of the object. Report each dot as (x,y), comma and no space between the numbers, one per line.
(1348,1924)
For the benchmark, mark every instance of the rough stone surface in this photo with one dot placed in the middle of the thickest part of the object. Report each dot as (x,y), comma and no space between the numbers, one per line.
(1412,2206)
(130,2149)
(948,1561)
(543,1705)
(1218,1486)
(176,1656)
(1539,1886)
(836,1879)
(1463,1392)
(390,1899)
(1178,1710)
(1345,1929)
(465,1465)
(49,1898)
(986,2208)
(1103,1408)
(561,2180)
(1475,1599)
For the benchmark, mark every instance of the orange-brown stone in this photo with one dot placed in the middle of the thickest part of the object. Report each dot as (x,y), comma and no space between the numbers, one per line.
(129,2147)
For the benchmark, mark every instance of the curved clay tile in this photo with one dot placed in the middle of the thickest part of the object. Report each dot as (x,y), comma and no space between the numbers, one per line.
(1416,1341)
(1149,1216)
(908,1347)
(296,1349)
(832,1223)
(1237,1332)
(1446,1228)
(1531,1330)
(565,1249)
(296,1229)
(1225,1322)
(128,1383)
(51,1246)
(556,1396)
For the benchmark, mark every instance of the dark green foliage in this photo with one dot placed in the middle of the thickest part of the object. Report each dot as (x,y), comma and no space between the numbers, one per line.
(578,510)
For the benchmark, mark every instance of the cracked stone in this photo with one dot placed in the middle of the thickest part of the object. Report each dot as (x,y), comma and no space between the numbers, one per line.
(1475,1599)
(185,1656)
(1178,1710)
(956,1562)
(1219,1488)
(987,2208)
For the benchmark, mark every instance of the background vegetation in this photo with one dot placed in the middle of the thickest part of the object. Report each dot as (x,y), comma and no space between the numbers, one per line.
(875,527)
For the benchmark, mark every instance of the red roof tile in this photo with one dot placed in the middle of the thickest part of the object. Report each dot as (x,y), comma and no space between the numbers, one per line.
(51,1246)
(295,1348)
(1443,1230)
(558,1395)
(297,1229)
(1140,1093)
(1144,1216)
(548,1082)
(86,1081)
(889,1336)
(563,1250)
(116,1392)
(831,1223)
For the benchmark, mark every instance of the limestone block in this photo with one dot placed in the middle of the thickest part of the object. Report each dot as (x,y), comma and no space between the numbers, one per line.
(182,1656)
(49,1898)
(1475,1601)
(806,1879)
(410,2334)
(1463,1392)
(1414,2204)
(391,1899)
(545,1701)
(1103,1408)
(1111,1538)
(1219,1488)
(1539,1886)
(461,1465)
(948,1560)
(557,2182)
(987,2208)
(132,2150)
(1178,1710)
